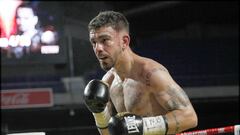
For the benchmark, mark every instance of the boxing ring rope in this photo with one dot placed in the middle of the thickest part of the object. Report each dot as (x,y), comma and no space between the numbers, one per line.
(235,130)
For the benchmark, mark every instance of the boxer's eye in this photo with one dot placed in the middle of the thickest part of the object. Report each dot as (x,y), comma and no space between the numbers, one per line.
(104,40)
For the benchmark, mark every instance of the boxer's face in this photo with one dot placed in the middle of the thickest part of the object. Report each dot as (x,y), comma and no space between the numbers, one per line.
(106,44)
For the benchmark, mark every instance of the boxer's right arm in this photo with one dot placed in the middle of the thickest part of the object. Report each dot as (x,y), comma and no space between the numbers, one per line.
(108,78)
(103,114)
(96,97)
(109,109)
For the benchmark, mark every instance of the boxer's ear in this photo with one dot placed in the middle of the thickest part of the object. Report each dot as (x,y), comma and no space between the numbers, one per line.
(125,41)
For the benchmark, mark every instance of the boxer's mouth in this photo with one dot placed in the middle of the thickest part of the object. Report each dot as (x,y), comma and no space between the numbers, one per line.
(102,58)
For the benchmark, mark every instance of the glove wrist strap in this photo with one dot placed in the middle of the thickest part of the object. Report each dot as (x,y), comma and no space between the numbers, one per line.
(102,119)
(154,125)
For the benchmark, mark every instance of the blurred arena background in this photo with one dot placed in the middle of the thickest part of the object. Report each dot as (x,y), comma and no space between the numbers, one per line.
(196,41)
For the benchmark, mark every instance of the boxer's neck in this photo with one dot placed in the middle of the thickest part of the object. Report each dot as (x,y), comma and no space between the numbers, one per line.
(125,64)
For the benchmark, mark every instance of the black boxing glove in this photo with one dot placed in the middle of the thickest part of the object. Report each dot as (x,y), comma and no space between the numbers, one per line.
(96,97)
(125,124)
(130,124)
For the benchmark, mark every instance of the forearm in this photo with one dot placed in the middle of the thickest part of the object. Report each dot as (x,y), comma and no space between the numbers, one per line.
(180,120)
(96,97)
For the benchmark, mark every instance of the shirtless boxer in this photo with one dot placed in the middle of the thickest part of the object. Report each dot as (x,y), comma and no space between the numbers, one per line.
(137,95)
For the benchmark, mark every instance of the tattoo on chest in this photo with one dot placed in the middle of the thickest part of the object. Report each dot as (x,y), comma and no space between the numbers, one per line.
(151,72)
(177,99)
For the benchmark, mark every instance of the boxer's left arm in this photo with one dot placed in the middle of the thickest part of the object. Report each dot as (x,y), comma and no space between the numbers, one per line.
(180,114)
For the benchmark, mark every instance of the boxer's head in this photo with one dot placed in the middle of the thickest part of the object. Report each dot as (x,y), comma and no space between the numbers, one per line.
(113,19)
(109,36)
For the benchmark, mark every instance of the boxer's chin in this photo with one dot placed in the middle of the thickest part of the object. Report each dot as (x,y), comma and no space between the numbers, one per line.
(105,66)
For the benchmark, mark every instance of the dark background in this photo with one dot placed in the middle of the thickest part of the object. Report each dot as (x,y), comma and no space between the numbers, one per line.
(196,41)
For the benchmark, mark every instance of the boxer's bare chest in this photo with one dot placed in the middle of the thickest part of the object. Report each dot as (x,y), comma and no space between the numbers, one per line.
(130,95)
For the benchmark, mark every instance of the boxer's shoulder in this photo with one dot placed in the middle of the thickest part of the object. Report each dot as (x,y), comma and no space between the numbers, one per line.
(108,77)
(150,66)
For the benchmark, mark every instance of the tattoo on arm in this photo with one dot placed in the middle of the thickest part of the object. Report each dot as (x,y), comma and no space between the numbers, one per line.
(177,123)
(177,99)
(150,73)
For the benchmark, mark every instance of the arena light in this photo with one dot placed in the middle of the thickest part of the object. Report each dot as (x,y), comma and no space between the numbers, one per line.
(50,49)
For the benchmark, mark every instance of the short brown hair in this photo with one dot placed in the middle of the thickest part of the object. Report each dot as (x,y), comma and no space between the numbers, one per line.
(109,18)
